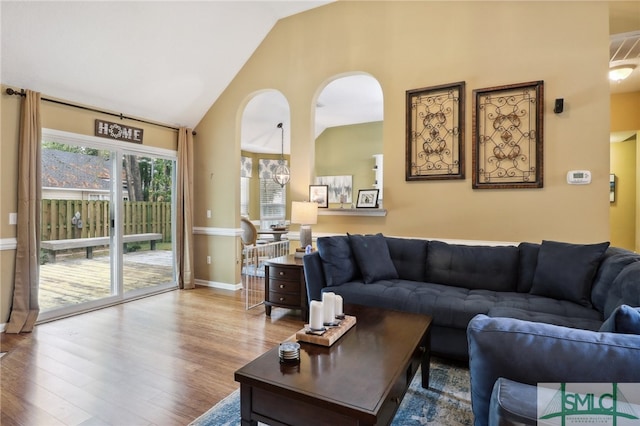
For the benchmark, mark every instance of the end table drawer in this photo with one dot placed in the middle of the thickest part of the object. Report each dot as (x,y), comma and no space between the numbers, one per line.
(289,274)
(287,299)
(281,286)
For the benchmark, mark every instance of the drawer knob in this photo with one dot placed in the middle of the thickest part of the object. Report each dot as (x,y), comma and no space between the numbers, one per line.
(396,400)
(281,285)
(281,273)
(282,299)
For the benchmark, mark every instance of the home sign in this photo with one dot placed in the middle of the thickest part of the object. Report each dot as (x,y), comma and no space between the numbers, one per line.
(106,129)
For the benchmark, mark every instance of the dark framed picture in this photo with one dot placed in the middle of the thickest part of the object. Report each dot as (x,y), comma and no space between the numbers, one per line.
(435,132)
(367,199)
(507,136)
(319,194)
(612,188)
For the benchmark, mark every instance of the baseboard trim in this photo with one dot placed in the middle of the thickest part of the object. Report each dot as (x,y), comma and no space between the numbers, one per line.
(215,284)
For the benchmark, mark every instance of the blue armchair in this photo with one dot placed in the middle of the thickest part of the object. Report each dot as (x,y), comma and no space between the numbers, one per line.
(524,352)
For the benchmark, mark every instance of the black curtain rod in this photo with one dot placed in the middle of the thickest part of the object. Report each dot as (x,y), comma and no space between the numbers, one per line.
(11,91)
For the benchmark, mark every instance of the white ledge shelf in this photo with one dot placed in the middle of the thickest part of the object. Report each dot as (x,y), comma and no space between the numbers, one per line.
(352,212)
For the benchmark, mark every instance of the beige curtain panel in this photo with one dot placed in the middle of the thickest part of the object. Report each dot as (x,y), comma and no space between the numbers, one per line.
(25,309)
(185,209)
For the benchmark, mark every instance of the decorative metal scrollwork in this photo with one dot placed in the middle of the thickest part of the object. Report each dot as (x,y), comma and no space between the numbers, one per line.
(435,132)
(507,145)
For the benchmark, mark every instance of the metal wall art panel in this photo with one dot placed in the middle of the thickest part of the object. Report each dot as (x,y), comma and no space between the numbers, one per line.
(508,135)
(435,132)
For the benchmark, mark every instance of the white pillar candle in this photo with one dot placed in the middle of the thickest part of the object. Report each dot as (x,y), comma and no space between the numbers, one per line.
(338,300)
(316,315)
(329,307)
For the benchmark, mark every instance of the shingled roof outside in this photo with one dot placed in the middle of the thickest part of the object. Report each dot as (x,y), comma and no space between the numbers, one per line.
(71,170)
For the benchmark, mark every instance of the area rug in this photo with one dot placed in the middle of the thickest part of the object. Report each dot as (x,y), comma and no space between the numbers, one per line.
(446,402)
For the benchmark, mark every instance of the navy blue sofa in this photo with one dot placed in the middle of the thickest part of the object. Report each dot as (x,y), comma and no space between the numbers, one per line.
(509,358)
(570,285)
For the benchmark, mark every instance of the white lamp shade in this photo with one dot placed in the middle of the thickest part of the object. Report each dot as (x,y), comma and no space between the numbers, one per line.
(304,213)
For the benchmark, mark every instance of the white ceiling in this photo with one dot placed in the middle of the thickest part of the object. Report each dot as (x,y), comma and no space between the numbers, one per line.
(168,61)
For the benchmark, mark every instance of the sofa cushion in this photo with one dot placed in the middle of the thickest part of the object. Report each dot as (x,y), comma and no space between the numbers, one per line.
(473,267)
(545,305)
(613,262)
(337,259)
(624,319)
(546,318)
(528,254)
(372,256)
(409,257)
(565,271)
(513,403)
(625,289)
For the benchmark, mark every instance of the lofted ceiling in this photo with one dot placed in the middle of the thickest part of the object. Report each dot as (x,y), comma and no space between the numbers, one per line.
(168,61)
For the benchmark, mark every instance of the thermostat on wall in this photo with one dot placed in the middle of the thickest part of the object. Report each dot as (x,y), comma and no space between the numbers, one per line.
(579,177)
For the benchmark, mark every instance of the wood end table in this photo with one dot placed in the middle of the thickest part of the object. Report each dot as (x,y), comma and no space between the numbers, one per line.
(284,285)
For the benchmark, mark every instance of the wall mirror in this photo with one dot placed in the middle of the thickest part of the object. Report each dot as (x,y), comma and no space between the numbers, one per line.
(348,135)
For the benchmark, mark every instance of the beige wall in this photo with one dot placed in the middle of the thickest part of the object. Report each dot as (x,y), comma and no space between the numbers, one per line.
(625,117)
(623,210)
(624,111)
(57,117)
(407,45)
(349,150)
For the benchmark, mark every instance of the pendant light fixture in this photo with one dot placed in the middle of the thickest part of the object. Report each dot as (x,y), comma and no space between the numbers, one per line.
(282,175)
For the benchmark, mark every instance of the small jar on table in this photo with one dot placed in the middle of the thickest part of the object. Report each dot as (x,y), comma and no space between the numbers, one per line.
(284,285)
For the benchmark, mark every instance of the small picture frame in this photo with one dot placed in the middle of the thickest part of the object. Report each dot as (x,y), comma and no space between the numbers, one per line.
(367,199)
(319,194)
(612,188)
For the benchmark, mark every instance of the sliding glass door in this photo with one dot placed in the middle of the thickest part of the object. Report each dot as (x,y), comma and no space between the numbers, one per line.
(107,222)
(147,213)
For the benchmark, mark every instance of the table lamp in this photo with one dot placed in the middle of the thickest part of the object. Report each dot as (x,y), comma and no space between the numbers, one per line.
(306,214)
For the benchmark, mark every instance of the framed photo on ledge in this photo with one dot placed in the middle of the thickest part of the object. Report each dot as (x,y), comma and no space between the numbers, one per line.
(367,199)
(319,194)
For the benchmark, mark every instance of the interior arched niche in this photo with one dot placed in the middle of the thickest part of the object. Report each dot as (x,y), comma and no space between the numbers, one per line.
(348,134)
(261,138)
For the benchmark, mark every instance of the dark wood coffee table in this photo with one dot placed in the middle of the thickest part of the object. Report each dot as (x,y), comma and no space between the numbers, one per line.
(360,380)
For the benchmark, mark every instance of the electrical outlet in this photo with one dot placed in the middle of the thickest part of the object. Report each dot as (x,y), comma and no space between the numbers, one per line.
(13,218)
(208,214)
(208,260)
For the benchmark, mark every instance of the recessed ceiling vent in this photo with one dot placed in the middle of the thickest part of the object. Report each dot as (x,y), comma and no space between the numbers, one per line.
(625,47)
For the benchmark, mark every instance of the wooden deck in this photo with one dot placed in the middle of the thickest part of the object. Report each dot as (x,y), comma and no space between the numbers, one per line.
(77,280)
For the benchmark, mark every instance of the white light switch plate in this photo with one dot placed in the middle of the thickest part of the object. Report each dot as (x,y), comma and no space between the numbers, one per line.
(13,218)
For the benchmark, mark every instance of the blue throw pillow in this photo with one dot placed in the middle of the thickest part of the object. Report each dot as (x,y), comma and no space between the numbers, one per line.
(338,262)
(373,258)
(565,271)
(624,319)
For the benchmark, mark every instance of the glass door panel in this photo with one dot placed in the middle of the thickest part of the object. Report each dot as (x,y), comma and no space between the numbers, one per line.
(75,256)
(148,255)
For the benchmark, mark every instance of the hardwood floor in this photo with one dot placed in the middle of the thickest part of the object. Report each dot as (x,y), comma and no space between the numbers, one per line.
(162,360)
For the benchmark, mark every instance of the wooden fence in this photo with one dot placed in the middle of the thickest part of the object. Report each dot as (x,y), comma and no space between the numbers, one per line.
(139,217)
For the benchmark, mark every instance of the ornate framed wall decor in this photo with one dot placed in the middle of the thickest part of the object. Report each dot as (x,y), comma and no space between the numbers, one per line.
(435,132)
(508,136)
